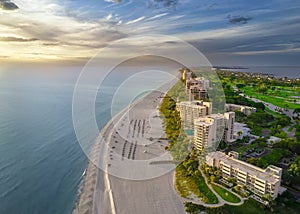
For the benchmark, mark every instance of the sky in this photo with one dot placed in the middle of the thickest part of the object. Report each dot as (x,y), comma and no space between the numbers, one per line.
(227,32)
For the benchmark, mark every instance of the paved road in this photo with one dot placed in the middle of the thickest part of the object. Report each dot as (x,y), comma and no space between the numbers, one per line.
(291,134)
(287,112)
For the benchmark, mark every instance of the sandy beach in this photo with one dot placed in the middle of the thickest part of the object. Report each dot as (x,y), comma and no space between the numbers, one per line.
(128,148)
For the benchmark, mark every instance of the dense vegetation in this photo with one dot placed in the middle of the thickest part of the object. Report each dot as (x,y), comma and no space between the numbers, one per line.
(263,123)
(289,143)
(283,204)
(273,158)
(234,97)
(263,119)
(283,93)
(171,119)
(189,180)
(179,145)
(280,92)
(295,167)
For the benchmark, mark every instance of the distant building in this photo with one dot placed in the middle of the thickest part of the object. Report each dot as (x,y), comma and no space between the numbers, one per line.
(240,130)
(273,140)
(208,132)
(191,82)
(186,74)
(247,110)
(199,81)
(196,92)
(258,180)
(203,82)
(190,110)
(196,88)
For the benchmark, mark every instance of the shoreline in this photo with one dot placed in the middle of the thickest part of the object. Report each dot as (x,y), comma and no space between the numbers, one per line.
(278,72)
(87,191)
(80,201)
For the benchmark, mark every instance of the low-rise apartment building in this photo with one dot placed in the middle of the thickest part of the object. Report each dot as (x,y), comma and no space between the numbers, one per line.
(247,110)
(258,180)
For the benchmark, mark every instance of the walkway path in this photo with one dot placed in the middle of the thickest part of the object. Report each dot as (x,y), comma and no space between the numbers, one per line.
(291,134)
(221,201)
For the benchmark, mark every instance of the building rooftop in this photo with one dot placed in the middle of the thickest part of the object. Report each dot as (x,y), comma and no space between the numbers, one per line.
(251,169)
(200,88)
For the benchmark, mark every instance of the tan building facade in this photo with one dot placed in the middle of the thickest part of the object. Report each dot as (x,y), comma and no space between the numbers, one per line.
(208,132)
(258,180)
(247,110)
(229,127)
(190,110)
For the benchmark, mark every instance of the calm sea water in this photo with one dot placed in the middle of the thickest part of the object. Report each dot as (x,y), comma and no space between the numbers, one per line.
(41,162)
(278,71)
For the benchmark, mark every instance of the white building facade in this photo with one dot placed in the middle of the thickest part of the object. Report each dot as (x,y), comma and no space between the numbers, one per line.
(229,127)
(247,110)
(190,110)
(208,132)
(258,180)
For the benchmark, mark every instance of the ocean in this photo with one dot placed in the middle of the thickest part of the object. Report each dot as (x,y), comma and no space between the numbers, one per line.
(41,161)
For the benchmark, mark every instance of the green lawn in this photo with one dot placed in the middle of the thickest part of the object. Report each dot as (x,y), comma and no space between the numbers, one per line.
(279,99)
(226,195)
(276,114)
(249,207)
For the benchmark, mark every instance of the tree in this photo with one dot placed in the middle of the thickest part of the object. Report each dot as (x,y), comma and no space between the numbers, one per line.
(294,169)
(240,133)
(251,161)
(213,178)
(289,143)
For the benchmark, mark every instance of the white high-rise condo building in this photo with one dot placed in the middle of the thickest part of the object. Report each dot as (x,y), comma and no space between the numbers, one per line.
(208,132)
(229,127)
(190,110)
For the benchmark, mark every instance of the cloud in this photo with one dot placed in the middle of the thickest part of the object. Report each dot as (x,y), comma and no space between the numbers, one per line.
(157,16)
(109,17)
(8,5)
(114,1)
(238,19)
(16,39)
(49,32)
(80,29)
(157,4)
(135,20)
(51,43)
